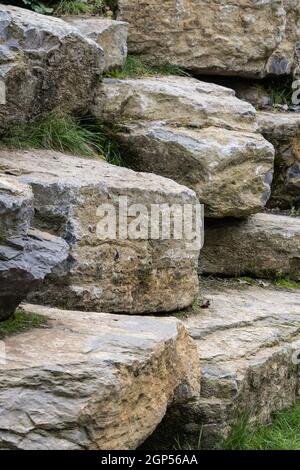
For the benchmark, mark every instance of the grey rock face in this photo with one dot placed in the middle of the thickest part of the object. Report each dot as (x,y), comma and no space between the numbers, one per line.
(118,274)
(283,130)
(263,245)
(110,35)
(248,341)
(45,64)
(16,207)
(93,381)
(26,256)
(24,262)
(197,133)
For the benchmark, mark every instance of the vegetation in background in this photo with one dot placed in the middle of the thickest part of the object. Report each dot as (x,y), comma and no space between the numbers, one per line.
(135,67)
(283,433)
(280,90)
(69,7)
(65,134)
(21,322)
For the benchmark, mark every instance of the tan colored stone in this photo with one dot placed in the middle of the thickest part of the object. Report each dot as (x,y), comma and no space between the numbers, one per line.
(93,380)
(196,133)
(45,65)
(115,275)
(248,342)
(110,35)
(238,38)
(264,245)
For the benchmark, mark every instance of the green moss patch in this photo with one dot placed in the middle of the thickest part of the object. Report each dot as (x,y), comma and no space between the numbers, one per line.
(21,322)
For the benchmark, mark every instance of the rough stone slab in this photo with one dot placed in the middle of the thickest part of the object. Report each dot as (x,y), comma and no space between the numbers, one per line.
(247,340)
(196,133)
(239,38)
(179,101)
(93,381)
(45,64)
(283,130)
(110,35)
(263,245)
(134,276)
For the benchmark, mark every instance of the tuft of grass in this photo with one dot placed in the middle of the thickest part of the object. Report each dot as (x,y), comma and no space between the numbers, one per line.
(239,435)
(135,67)
(21,322)
(64,134)
(286,283)
(72,7)
(82,7)
(283,433)
(280,91)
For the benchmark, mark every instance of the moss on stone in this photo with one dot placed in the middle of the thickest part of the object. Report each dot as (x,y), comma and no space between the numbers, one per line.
(21,321)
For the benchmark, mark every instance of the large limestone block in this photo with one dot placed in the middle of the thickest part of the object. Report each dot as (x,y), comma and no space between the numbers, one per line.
(196,133)
(93,381)
(249,343)
(263,245)
(120,274)
(183,101)
(45,64)
(283,130)
(239,38)
(110,35)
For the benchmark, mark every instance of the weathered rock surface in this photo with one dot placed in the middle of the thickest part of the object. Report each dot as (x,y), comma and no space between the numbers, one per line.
(24,263)
(119,273)
(93,380)
(196,133)
(249,344)
(238,38)
(262,245)
(45,64)
(26,256)
(110,35)
(255,93)
(283,130)
(16,207)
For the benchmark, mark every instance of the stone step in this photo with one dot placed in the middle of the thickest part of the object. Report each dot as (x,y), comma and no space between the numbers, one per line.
(248,342)
(93,380)
(110,270)
(263,245)
(196,133)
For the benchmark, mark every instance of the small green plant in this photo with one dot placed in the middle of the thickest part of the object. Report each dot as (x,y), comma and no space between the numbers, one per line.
(286,283)
(39,7)
(65,134)
(295,211)
(280,91)
(135,67)
(72,7)
(20,322)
